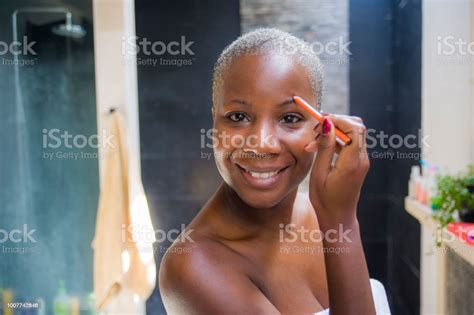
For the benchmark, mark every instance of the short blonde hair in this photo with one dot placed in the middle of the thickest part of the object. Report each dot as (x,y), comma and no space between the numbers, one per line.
(270,40)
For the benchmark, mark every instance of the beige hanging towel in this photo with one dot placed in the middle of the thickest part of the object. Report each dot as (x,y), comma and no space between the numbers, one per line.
(124,235)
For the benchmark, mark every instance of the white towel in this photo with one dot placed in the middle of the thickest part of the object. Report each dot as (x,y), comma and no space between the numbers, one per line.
(380,299)
(123,259)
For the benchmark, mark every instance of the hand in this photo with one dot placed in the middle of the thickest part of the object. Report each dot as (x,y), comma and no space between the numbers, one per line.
(334,189)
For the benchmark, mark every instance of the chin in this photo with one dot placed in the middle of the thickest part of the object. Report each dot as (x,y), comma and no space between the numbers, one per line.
(260,199)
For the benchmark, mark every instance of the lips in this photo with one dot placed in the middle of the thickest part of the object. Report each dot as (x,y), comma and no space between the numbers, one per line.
(262,177)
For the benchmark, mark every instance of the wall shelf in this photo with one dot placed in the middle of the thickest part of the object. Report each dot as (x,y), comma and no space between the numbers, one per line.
(423,214)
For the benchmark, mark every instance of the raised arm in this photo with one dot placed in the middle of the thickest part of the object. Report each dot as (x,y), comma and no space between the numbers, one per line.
(334,194)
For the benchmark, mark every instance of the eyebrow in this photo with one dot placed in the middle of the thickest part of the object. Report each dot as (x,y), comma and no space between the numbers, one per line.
(242,102)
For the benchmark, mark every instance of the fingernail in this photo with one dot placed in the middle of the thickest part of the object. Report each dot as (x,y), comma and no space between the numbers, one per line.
(326,126)
(306,146)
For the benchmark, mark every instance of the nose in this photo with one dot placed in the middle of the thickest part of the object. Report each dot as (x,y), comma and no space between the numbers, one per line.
(263,139)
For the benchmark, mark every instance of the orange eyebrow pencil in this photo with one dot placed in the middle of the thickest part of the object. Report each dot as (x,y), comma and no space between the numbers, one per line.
(341,137)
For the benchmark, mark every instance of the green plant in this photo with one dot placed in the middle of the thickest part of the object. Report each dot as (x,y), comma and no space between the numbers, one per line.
(454,193)
(448,199)
(468,191)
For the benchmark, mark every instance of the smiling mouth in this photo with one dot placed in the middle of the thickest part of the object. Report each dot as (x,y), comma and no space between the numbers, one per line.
(263,174)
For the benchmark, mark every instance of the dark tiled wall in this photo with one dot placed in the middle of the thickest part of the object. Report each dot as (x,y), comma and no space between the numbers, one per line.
(371,94)
(385,77)
(175,104)
(404,231)
(319,21)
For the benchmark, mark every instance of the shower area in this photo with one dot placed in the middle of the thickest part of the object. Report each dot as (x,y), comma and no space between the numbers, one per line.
(49,161)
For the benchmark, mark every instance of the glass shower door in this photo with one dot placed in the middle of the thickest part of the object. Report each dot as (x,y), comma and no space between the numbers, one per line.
(49,161)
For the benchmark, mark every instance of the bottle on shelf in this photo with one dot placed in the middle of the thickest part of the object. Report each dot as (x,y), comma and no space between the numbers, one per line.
(61,301)
(412,183)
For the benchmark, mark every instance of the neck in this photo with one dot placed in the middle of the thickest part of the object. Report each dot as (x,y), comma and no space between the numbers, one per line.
(245,221)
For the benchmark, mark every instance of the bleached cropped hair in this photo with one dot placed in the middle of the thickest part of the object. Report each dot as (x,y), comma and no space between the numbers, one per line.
(270,40)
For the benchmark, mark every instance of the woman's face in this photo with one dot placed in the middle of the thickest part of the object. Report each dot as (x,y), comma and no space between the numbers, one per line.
(260,133)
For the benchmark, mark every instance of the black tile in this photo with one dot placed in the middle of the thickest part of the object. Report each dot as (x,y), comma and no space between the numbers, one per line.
(376,256)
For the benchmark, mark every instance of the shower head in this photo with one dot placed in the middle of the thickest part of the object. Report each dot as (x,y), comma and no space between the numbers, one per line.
(69,29)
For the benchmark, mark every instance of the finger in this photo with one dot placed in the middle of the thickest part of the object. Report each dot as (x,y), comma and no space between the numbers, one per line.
(313,145)
(363,144)
(338,149)
(350,155)
(353,118)
(326,149)
(318,127)
(357,119)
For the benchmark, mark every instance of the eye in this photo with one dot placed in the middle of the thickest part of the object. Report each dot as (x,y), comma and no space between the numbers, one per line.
(237,117)
(291,119)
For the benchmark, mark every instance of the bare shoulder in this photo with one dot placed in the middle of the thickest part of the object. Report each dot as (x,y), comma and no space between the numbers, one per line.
(205,277)
(183,258)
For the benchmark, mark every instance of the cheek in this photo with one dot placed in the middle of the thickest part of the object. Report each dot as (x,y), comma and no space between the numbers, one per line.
(307,163)
(295,142)
(297,139)
(223,143)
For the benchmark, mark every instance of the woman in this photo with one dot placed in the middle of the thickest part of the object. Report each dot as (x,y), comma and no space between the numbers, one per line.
(259,246)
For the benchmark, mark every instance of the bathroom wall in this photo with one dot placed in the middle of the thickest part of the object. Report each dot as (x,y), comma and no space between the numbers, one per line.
(385,89)
(403,230)
(371,94)
(48,190)
(322,24)
(174,105)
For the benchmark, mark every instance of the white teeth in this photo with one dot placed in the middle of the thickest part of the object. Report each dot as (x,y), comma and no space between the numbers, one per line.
(263,175)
